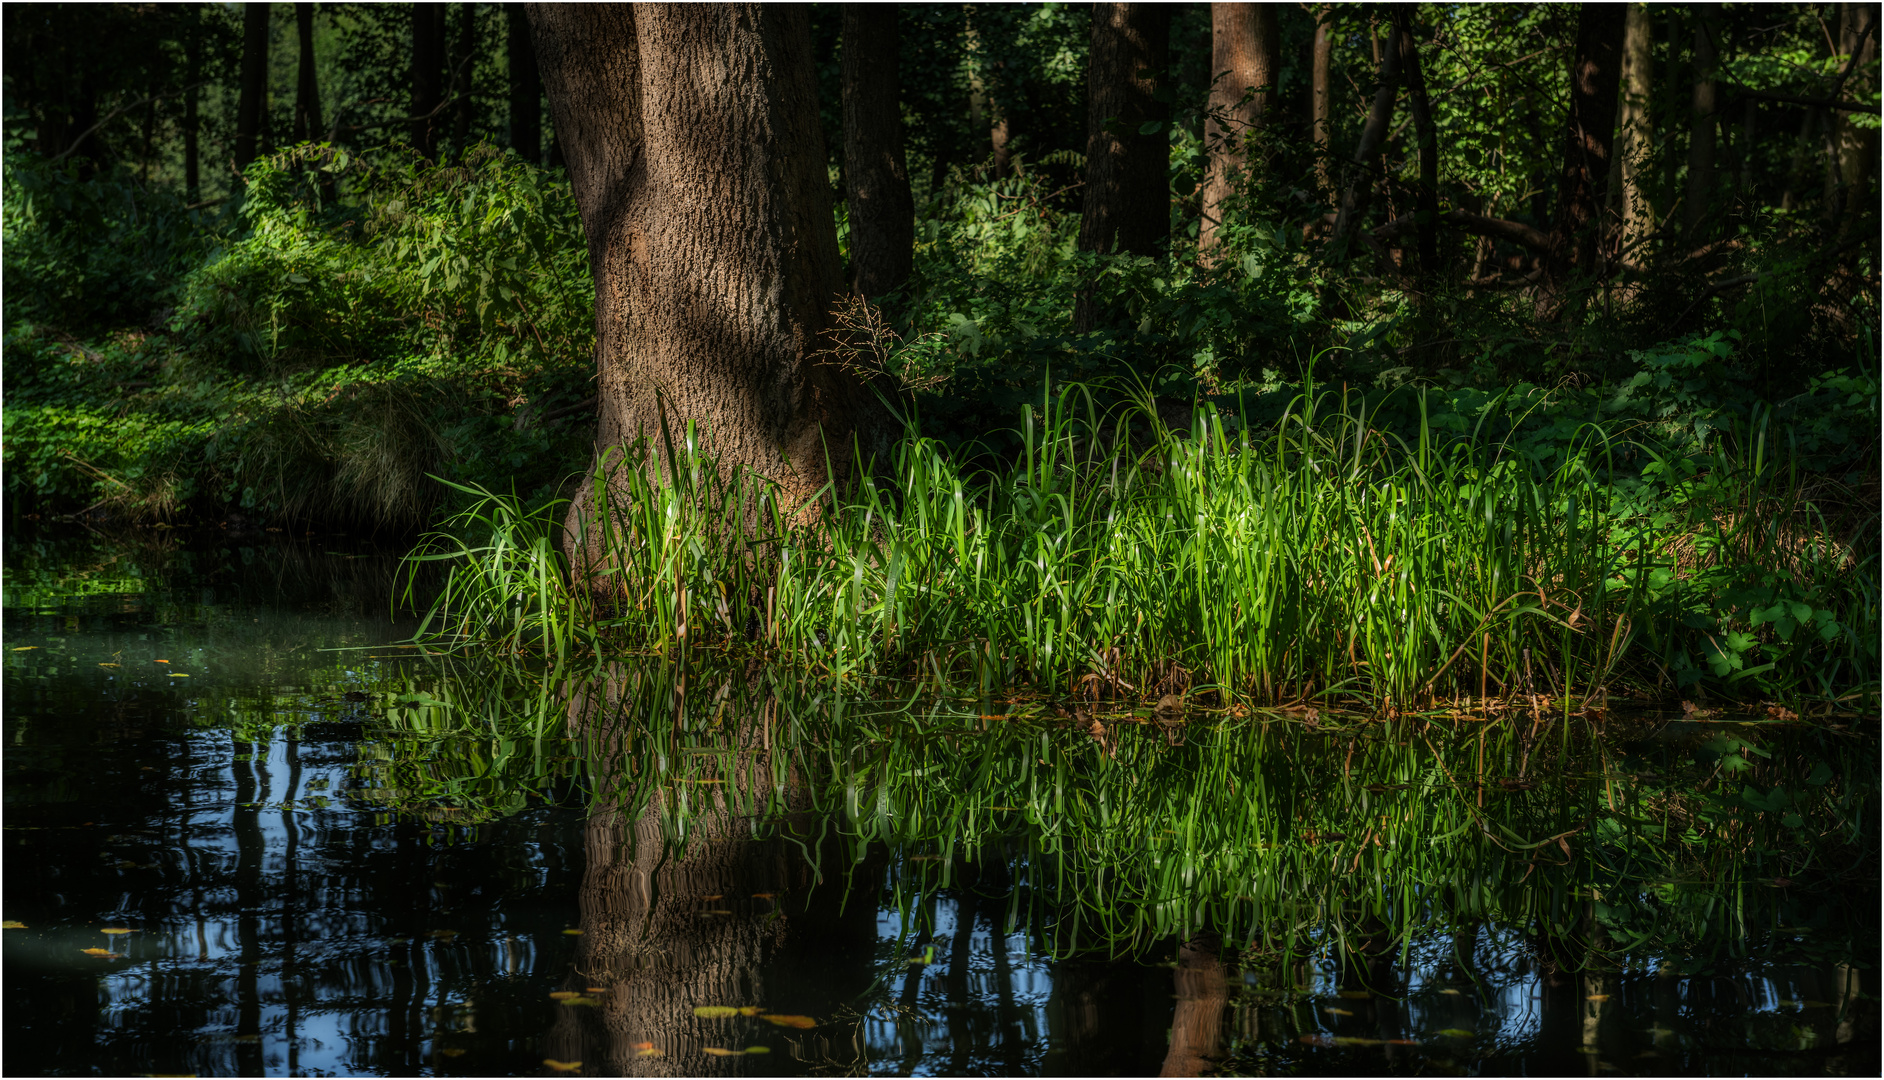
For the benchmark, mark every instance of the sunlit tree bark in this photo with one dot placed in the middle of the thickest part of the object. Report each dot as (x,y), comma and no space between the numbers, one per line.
(1245,62)
(1635,132)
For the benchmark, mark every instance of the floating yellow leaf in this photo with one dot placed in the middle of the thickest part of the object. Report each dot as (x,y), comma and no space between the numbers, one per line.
(102,664)
(1336,1012)
(598,989)
(714,1012)
(1401,1042)
(716,911)
(563,995)
(1358,995)
(1348,1040)
(102,952)
(647,1050)
(572,932)
(160,661)
(1450,990)
(1597,997)
(715,896)
(179,675)
(721,1051)
(1456,1033)
(762,896)
(1316,1039)
(802,1022)
(26,648)
(117,930)
(452,1051)
(758,1049)
(562,1066)
(644,1046)
(12,924)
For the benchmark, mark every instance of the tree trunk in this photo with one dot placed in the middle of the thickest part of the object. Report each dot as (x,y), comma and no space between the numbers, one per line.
(1636,132)
(193,60)
(1245,62)
(1197,1021)
(252,98)
(1127,208)
(1321,91)
(463,57)
(882,213)
(428,69)
(1702,133)
(1360,183)
(698,166)
(307,94)
(1589,138)
(526,87)
(1426,200)
(1856,147)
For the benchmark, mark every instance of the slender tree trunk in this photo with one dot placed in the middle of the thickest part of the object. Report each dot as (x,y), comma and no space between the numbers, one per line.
(1360,183)
(882,213)
(1246,61)
(526,87)
(428,69)
(1636,132)
(307,93)
(1703,130)
(193,60)
(1321,91)
(461,61)
(252,96)
(1127,169)
(1580,231)
(1426,200)
(1856,146)
(708,214)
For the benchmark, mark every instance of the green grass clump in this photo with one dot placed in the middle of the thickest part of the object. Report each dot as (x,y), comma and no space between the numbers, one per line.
(1117,555)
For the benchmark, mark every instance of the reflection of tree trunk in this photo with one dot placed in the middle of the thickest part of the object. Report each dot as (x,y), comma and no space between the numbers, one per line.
(713,924)
(1197,1023)
(250,853)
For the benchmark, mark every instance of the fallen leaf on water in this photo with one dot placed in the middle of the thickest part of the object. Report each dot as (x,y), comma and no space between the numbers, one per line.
(563,995)
(102,664)
(721,1051)
(452,1051)
(715,896)
(1316,1040)
(644,1046)
(1359,995)
(598,989)
(160,661)
(804,1022)
(580,1000)
(1337,1012)
(179,675)
(647,1050)
(716,911)
(714,1012)
(758,1049)
(444,934)
(116,930)
(1402,1042)
(562,1066)
(1348,1040)
(1450,990)
(12,924)
(1456,1033)
(572,931)
(102,952)
(1597,997)
(762,896)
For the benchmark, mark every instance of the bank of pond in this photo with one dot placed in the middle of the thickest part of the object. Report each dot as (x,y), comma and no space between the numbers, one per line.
(255,828)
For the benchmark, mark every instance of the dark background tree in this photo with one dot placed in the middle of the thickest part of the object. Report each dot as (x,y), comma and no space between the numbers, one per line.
(1127,156)
(252,113)
(881,213)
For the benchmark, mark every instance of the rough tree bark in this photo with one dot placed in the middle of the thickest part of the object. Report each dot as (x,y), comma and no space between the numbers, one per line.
(1580,230)
(428,74)
(692,139)
(1127,207)
(252,97)
(307,92)
(1321,92)
(1703,131)
(882,212)
(1635,133)
(1245,62)
(526,87)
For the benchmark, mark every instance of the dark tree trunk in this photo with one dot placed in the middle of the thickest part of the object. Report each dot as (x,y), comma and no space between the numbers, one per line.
(1360,182)
(526,87)
(307,94)
(1426,199)
(193,59)
(1702,132)
(882,213)
(1197,1022)
(1127,207)
(428,71)
(708,214)
(1855,147)
(461,61)
(252,98)
(1581,231)
(1321,94)
(1245,62)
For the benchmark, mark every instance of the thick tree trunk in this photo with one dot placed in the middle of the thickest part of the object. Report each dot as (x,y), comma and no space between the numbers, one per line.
(1426,199)
(526,87)
(1589,138)
(1636,132)
(1197,1022)
(252,96)
(1321,93)
(307,93)
(428,75)
(1245,63)
(698,166)
(882,213)
(1360,183)
(1856,147)
(1703,130)
(1128,185)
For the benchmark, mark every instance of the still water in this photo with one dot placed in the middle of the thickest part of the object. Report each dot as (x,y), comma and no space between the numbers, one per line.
(222,859)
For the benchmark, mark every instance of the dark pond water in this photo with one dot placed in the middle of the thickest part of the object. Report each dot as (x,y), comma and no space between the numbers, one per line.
(224,860)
